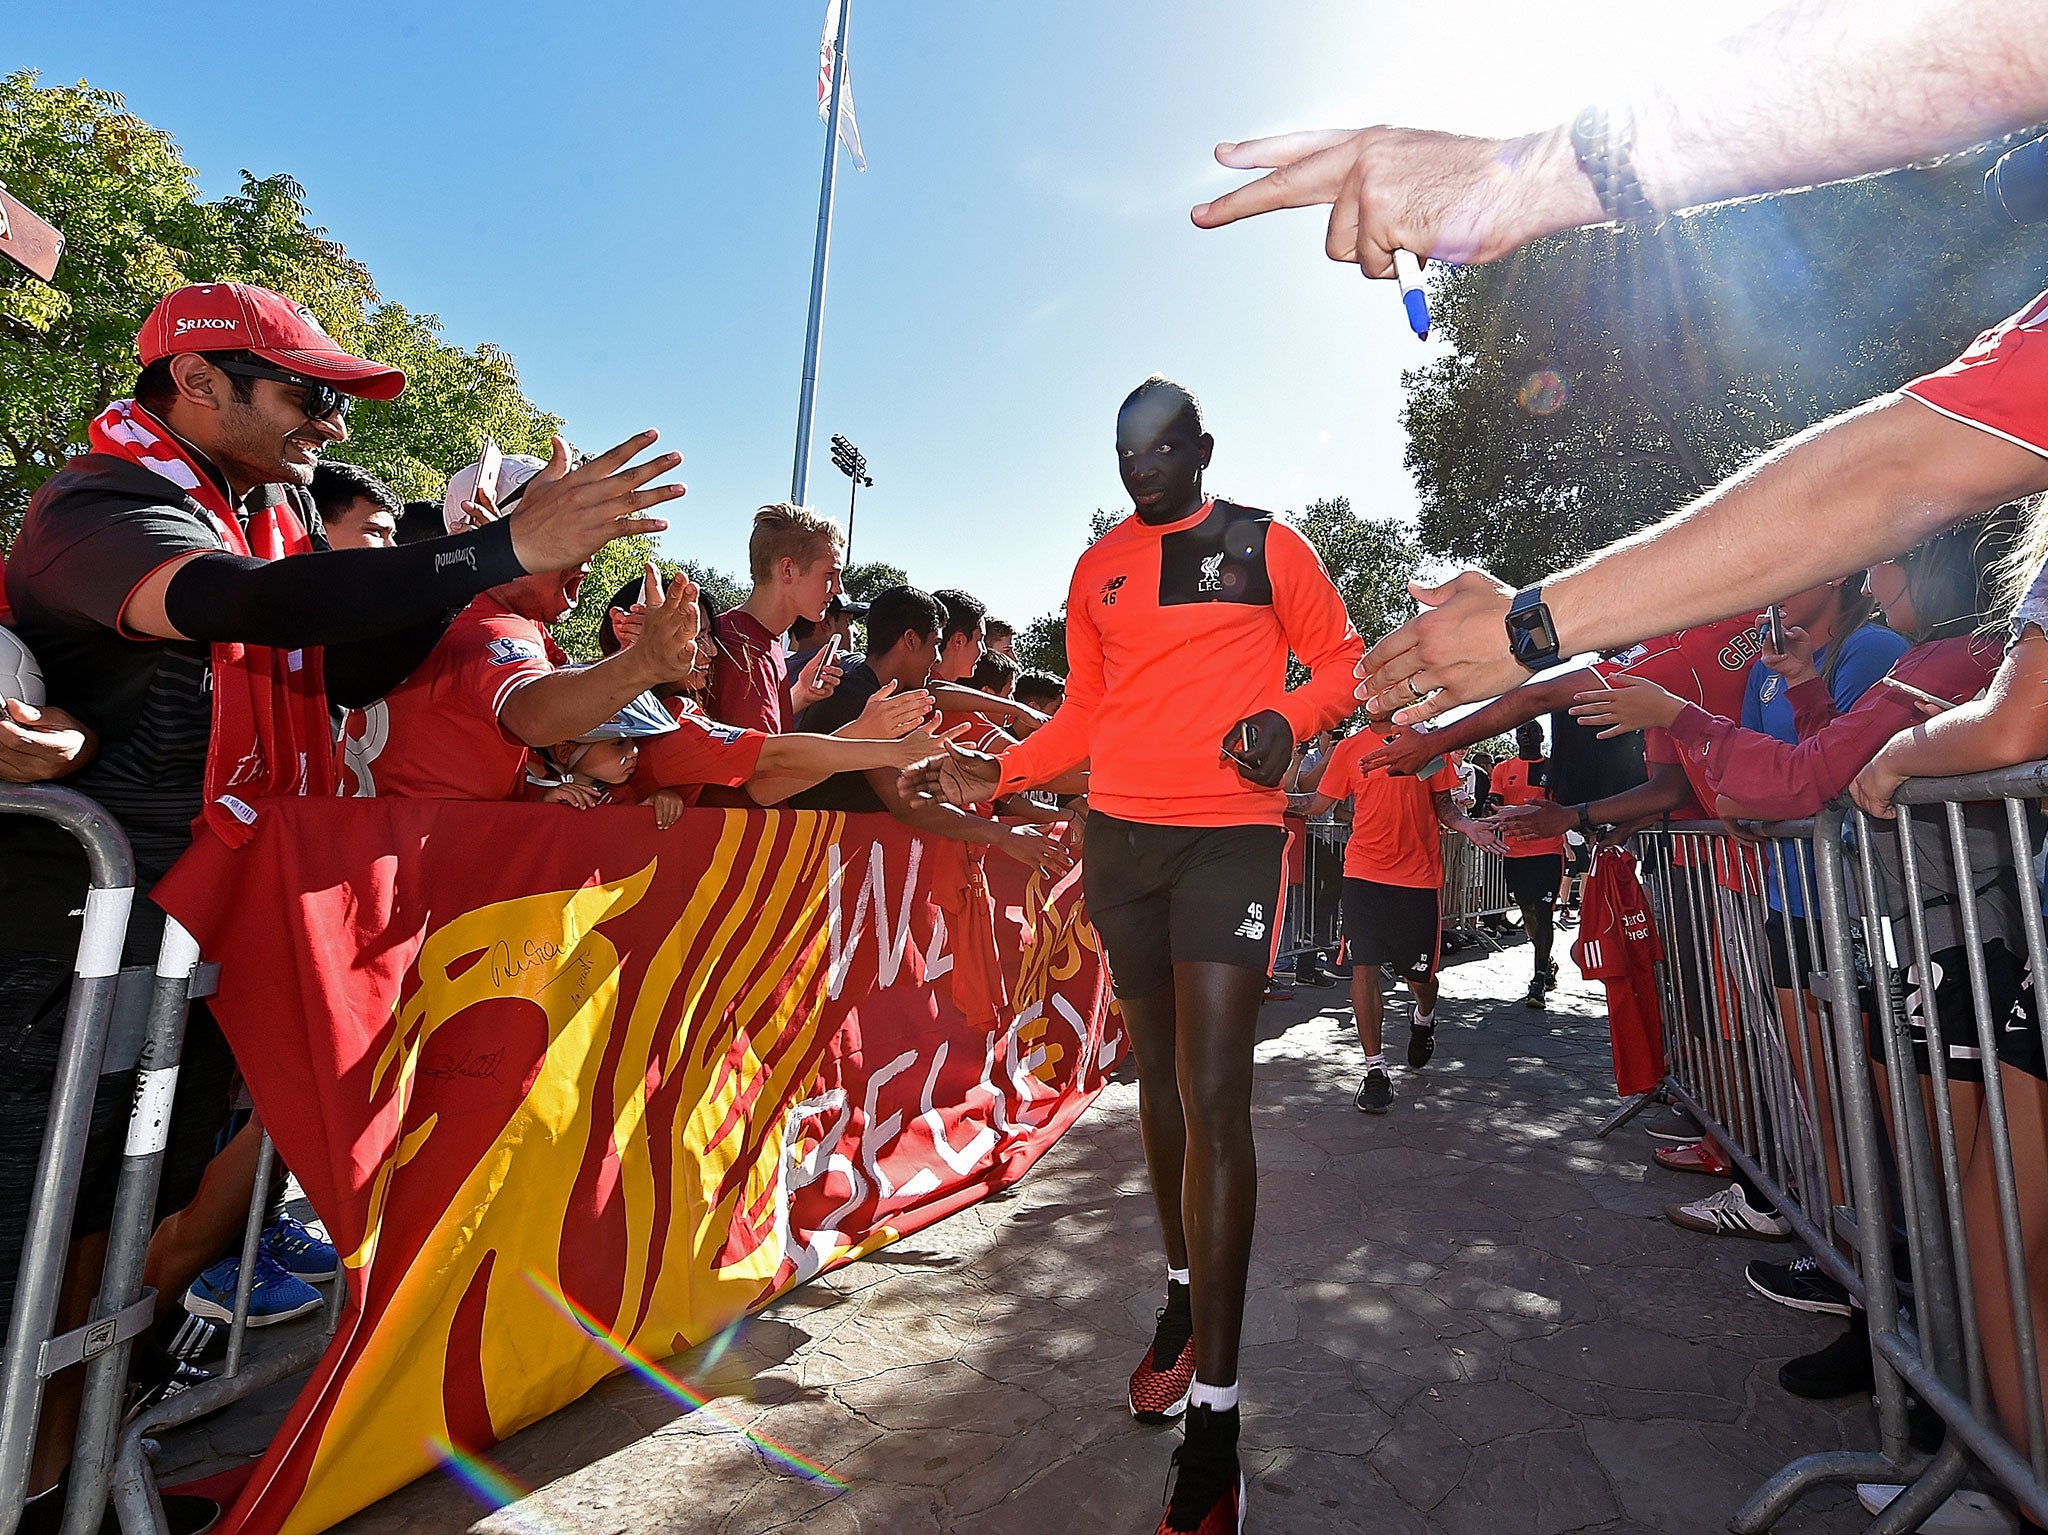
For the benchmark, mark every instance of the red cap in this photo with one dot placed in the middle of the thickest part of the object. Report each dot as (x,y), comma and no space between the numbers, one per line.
(239,317)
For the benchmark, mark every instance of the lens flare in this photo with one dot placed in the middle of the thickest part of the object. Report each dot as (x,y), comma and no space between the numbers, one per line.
(1543,393)
(775,1454)
(498,1492)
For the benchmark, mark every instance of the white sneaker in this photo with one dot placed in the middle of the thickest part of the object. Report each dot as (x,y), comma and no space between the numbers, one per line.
(1729,1213)
(1965,1512)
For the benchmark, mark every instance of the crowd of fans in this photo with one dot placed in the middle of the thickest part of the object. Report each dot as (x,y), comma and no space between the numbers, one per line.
(205,533)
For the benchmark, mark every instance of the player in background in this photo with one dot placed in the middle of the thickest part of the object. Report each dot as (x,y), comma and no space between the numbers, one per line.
(1179,624)
(1392,896)
(1535,863)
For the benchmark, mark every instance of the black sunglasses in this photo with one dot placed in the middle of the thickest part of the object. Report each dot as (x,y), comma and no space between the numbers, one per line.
(318,399)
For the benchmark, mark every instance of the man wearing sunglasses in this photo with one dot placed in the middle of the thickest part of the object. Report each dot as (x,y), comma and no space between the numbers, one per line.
(148,582)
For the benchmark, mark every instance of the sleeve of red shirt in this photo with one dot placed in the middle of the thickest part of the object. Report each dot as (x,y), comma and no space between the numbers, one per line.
(1813,706)
(498,654)
(697,751)
(1777,781)
(1061,743)
(1318,629)
(1996,385)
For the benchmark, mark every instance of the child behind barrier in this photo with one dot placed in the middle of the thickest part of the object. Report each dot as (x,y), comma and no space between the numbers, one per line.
(1936,594)
(1999,727)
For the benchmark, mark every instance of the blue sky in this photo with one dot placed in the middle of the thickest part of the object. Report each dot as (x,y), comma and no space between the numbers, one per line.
(624,196)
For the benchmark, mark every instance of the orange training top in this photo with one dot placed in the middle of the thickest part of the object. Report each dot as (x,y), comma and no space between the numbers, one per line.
(1174,634)
(1396,838)
(1518,781)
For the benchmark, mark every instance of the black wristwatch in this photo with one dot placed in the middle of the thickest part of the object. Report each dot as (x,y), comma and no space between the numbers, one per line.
(1532,637)
(1585,818)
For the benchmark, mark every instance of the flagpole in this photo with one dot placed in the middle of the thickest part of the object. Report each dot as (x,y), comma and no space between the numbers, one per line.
(800,476)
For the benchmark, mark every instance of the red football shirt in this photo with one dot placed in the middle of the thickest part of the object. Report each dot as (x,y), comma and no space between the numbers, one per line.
(1512,785)
(1396,838)
(1618,945)
(2000,385)
(1707,665)
(750,683)
(699,751)
(436,735)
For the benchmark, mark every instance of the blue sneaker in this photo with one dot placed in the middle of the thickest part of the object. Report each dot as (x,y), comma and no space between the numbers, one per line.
(276,1296)
(298,1252)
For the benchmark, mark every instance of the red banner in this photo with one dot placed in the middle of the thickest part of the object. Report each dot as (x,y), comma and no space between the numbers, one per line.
(569,1091)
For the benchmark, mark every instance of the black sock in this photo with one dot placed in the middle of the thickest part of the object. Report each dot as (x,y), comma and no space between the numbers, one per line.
(1179,1301)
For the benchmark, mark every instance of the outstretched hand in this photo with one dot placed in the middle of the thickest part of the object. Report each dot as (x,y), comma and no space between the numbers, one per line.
(1632,703)
(667,646)
(1441,195)
(956,776)
(1455,651)
(566,515)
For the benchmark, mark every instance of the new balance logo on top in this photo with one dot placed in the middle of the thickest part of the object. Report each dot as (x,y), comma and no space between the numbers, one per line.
(1212,574)
(1254,924)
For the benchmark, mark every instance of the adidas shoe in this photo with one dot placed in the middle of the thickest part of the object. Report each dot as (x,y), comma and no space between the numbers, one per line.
(1801,1284)
(1208,1484)
(275,1297)
(1729,1213)
(1375,1094)
(1160,1384)
(299,1252)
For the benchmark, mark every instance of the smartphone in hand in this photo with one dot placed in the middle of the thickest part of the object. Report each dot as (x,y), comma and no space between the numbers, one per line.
(1918,695)
(1774,628)
(1247,743)
(490,463)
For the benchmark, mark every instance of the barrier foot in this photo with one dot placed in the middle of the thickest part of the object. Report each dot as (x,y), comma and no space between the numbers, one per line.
(1628,1111)
(1772,1501)
(1909,1510)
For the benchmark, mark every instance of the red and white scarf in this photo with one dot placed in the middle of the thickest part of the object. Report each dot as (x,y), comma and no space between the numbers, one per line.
(270,728)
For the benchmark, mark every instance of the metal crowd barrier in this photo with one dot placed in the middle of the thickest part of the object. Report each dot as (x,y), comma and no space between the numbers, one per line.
(115,1019)
(1920,1190)
(1475,887)
(1475,883)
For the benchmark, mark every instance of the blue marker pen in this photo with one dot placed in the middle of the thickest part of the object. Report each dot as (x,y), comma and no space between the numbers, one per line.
(1408,272)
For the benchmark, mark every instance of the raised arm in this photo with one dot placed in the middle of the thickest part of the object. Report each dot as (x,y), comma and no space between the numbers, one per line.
(1818,91)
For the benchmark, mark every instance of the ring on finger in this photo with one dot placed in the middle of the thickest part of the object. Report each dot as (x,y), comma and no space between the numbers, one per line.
(1415,693)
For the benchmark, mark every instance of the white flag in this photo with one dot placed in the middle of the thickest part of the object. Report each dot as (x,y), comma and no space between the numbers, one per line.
(849,130)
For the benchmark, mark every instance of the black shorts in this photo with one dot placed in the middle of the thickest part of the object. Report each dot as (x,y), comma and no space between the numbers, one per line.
(1578,859)
(1395,925)
(34,993)
(1160,896)
(1533,881)
(2016,1031)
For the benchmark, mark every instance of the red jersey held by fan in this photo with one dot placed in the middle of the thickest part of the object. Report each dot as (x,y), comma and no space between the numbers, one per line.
(1618,945)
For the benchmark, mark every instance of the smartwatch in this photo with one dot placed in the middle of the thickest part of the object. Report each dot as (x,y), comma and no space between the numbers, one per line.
(1586,818)
(1532,637)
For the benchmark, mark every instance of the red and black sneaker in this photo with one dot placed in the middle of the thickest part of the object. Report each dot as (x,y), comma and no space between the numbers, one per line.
(1160,1384)
(1208,1484)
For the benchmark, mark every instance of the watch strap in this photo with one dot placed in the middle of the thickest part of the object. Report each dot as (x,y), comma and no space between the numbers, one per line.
(1605,147)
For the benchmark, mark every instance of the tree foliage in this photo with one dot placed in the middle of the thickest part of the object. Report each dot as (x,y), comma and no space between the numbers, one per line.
(135,227)
(861,582)
(1602,378)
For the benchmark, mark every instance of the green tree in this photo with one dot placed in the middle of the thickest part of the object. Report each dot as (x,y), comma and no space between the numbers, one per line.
(610,568)
(1371,560)
(135,227)
(1042,643)
(864,580)
(1602,378)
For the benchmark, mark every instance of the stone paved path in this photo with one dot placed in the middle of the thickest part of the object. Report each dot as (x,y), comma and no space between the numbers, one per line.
(1467,1316)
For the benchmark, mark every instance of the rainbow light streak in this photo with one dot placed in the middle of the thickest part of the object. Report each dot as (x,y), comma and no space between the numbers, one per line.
(678,1390)
(495,1490)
